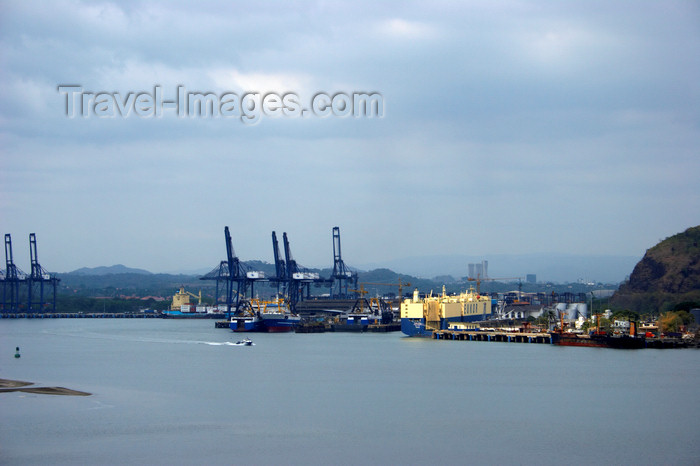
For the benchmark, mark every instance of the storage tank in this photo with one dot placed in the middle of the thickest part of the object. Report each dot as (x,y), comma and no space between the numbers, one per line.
(561,307)
(577,309)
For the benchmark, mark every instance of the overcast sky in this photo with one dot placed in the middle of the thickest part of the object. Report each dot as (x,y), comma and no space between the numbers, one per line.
(508,127)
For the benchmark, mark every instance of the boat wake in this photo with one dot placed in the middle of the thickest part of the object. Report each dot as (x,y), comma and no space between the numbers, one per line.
(227,343)
(126,338)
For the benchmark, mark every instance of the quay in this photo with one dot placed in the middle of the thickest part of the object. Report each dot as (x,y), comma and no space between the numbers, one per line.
(322,327)
(77,315)
(542,337)
(392,327)
(671,342)
(503,337)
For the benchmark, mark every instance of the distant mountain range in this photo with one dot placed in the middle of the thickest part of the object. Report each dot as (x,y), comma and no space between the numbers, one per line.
(548,267)
(111,270)
(559,268)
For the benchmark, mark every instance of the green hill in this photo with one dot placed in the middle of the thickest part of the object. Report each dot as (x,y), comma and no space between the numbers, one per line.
(667,275)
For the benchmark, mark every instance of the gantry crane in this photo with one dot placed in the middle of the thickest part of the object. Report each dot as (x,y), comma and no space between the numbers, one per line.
(341,274)
(280,266)
(11,281)
(233,271)
(38,278)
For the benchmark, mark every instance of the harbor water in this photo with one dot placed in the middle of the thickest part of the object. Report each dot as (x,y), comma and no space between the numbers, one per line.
(180,392)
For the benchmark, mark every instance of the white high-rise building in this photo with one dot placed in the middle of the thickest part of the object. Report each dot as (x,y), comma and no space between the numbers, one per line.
(480,270)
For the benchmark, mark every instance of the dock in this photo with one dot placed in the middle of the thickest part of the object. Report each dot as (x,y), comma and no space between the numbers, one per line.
(78,315)
(322,327)
(671,342)
(392,327)
(497,336)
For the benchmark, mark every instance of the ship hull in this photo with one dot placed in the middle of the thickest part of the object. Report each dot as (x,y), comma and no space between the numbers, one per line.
(190,315)
(418,328)
(415,328)
(279,324)
(598,341)
(245,324)
(265,323)
(355,323)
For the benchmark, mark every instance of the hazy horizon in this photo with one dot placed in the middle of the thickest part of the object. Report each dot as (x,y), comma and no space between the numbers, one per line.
(561,268)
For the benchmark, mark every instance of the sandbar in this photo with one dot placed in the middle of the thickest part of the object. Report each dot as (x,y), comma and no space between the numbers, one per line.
(20,386)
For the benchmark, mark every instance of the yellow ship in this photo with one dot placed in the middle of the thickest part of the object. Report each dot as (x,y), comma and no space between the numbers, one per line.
(182,298)
(420,317)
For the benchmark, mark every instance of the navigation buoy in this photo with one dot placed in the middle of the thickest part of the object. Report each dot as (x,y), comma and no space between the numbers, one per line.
(17,352)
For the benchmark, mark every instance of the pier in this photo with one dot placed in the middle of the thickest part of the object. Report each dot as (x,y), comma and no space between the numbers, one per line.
(497,336)
(77,315)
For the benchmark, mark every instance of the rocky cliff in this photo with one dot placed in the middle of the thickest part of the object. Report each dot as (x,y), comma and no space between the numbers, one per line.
(668,274)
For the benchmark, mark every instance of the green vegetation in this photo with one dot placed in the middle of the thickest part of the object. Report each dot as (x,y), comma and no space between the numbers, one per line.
(87,305)
(604,325)
(625,314)
(675,321)
(667,276)
(547,319)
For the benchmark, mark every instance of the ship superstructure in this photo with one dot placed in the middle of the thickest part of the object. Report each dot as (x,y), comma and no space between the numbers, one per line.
(182,307)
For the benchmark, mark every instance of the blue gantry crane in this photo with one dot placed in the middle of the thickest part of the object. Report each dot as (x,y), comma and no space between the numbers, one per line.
(280,277)
(298,279)
(235,277)
(293,276)
(342,276)
(11,280)
(293,281)
(37,280)
(14,281)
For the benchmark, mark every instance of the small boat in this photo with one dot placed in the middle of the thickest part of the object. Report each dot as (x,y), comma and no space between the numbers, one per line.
(245,342)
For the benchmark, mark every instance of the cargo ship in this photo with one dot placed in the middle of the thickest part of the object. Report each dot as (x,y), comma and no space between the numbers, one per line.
(264,316)
(601,339)
(182,308)
(420,317)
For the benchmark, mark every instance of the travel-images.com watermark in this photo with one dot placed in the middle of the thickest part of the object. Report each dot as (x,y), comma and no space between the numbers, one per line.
(250,107)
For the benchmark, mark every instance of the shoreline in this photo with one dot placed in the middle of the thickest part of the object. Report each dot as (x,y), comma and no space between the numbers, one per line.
(7,386)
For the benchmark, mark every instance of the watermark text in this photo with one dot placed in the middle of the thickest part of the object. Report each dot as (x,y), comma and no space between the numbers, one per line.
(249,107)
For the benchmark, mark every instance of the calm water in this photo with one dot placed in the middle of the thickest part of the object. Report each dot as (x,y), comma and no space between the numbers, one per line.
(174,392)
